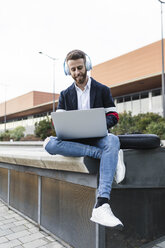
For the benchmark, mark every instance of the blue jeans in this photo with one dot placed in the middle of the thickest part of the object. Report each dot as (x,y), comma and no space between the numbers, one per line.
(106,149)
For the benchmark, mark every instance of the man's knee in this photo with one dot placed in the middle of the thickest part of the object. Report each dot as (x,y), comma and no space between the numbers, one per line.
(114,138)
(113,141)
(50,145)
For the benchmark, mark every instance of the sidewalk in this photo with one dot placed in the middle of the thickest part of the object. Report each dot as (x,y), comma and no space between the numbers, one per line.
(16,231)
(159,243)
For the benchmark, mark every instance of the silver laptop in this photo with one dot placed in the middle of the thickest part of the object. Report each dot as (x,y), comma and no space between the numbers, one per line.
(77,124)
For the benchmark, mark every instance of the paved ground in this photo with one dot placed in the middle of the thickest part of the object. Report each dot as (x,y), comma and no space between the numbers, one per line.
(16,231)
(159,243)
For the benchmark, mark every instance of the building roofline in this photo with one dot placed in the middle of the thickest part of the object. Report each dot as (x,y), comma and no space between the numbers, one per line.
(28,110)
(135,80)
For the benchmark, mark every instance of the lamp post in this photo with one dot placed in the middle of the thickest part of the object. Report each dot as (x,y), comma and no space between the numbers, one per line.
(163,93)
(5,117)
(54,59)
(5,107)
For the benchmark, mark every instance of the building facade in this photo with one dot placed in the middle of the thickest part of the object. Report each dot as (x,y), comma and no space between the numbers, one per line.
(26,110)
(134,79)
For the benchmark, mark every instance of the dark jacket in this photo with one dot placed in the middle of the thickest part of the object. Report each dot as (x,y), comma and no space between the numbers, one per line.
(100,96)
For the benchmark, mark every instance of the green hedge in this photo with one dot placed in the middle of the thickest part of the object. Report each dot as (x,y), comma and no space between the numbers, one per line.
(16,134)
(149,123)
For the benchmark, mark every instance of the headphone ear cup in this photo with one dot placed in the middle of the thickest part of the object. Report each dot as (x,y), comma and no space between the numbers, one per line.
(66,69)
(88,63)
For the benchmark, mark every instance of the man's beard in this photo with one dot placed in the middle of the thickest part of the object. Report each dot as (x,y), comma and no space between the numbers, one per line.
(81,78)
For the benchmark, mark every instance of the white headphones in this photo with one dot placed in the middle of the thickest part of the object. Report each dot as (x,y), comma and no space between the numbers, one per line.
(88,65)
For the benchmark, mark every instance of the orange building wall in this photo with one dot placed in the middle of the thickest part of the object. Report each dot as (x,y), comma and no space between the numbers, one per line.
(17,104)
(42,97)
(25,101)
(143,62)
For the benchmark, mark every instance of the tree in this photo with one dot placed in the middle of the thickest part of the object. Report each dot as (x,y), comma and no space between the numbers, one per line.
(44,129)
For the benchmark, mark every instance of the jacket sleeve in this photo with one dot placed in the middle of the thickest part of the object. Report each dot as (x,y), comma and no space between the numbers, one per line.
(112,116)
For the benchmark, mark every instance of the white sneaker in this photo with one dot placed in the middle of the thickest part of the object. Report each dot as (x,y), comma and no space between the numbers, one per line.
(120,169)
(103,215)
(46,142)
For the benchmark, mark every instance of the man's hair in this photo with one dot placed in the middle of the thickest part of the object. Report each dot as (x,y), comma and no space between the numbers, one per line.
(76,54)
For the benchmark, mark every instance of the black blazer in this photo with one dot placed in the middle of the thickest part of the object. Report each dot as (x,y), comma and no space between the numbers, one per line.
(100,96)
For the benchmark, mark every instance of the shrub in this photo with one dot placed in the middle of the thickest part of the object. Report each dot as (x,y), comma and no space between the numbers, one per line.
(143,120)
(157,128)
(17,133)
(150,123)
(5,136)
(14,134)
(125,125)
(44,129)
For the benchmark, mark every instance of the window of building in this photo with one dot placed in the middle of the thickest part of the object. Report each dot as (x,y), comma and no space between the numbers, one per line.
(135,97)
(156,92)
(144,95)
(127,98)
(120,99)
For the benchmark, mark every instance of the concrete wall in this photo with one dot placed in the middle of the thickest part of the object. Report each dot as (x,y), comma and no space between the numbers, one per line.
(29,124)
(149,104)
(58,194)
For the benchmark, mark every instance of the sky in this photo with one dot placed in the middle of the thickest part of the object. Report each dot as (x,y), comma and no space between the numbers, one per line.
(103,29)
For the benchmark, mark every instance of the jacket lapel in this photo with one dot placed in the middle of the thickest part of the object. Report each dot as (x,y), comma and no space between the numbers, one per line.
(92,93)
(73,97)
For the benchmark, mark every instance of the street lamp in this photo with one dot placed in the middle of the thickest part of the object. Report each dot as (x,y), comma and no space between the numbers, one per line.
(163,93)
(5,85)
(54,59)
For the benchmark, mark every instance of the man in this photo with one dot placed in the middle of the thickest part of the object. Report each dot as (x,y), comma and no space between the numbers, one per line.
(86,93)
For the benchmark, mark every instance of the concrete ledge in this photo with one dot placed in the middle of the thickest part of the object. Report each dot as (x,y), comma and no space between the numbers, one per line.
(46,189)
(21,143)
(40,160)
(33,154)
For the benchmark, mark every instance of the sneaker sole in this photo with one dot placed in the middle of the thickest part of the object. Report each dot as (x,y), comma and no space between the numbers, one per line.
(122,168)
(123,175)
(117,227)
